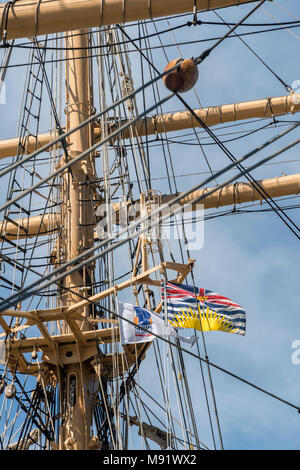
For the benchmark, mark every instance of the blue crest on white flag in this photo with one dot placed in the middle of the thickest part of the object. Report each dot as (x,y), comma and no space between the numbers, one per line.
(140,325)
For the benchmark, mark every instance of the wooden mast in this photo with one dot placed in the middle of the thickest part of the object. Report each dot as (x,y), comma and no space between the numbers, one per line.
(77,236)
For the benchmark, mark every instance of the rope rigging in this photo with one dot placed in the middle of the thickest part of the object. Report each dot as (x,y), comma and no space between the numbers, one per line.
(199,41)
(286,219)
(132,229)
(287,87)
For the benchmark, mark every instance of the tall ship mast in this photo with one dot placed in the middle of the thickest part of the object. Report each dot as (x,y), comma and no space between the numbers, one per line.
(124,210)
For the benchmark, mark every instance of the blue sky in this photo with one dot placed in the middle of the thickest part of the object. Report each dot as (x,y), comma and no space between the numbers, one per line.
(250,258)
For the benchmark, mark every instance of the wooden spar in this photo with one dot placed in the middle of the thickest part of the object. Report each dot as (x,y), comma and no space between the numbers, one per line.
(143,278)
(237,193)
(241,192)
(9,147)
(38,225)
(32,18)
(214,115)
(170,122)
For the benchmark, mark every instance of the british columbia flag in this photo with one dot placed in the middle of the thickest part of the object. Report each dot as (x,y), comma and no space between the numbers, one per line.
(202,309)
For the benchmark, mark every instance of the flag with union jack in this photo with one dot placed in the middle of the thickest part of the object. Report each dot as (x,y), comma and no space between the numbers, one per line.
(202,309)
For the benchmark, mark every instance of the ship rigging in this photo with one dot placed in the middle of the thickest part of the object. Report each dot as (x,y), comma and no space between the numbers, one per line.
(94,216)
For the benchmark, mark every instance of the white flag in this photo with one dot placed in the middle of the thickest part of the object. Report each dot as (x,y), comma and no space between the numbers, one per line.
(3,352)
(144,325)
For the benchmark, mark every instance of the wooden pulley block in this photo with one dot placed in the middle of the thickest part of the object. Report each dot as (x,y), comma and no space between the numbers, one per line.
(183,78)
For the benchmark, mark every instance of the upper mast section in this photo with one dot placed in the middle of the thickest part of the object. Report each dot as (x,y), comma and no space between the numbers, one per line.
(77,217)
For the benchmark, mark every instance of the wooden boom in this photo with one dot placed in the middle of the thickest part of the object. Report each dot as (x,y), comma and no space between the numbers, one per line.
(237,193)
(37,225)
(32,18)
(241,192)
(170,122)
(213,115)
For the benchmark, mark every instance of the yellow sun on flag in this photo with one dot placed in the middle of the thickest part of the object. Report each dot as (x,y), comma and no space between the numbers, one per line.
(203,320)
